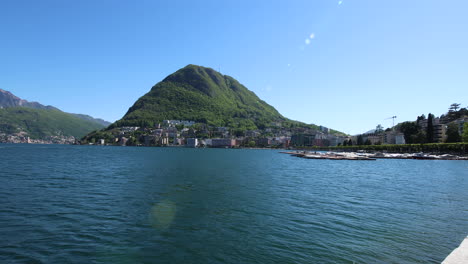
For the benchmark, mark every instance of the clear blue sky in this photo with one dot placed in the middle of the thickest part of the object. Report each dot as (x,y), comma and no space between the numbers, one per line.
(344,64)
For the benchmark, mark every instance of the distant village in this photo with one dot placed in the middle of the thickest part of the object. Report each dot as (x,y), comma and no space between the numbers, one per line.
(23,138)
(444,129)
(183,133)
(168,134)
(191,134)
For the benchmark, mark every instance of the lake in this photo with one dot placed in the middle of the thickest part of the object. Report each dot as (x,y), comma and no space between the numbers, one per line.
(90,204)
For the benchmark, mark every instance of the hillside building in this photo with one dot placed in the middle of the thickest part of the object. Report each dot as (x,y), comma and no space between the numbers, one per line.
(192,142)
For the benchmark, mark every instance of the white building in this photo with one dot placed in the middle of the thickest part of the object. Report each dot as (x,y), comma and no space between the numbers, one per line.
(400,139)
(178,122)
(192,142)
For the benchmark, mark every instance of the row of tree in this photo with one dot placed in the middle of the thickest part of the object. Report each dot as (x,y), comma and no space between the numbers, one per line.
(415,134)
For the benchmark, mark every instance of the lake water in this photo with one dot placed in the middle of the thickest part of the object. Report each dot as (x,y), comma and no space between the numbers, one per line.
(85,204)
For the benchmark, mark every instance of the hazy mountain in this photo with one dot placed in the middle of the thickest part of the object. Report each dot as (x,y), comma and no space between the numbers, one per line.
(21,118)
(7,99)
(92,119)
(43,123)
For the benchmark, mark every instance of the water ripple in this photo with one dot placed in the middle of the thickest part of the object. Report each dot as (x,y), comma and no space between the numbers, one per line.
(78,204)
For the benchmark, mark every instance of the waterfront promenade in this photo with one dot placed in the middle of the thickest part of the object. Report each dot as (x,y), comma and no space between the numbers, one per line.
(459,255)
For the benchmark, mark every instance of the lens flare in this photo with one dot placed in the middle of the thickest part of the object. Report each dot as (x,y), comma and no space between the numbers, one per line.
(162,214)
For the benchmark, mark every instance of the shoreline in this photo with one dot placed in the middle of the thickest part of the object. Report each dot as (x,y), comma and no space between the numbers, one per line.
(308,154)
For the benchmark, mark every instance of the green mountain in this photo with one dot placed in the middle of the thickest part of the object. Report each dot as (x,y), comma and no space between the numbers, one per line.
(202,95)
(42,123)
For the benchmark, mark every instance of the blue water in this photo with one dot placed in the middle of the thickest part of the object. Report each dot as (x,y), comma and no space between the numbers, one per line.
(85,204)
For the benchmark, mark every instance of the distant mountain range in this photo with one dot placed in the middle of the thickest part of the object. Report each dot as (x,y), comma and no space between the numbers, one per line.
(7,99)
(37,121)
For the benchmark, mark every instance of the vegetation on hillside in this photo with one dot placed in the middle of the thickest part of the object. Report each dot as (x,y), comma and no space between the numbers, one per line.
(40,123)
(205,96)
(100,121)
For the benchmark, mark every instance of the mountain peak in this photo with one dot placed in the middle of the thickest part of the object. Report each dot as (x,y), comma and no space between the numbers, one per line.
(7,99)
(200,78)
(203,95)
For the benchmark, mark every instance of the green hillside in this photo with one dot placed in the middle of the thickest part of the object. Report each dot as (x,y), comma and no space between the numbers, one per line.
(40,123)
(202,95)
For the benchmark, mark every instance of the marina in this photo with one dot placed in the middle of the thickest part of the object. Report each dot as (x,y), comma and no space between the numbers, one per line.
(370,156)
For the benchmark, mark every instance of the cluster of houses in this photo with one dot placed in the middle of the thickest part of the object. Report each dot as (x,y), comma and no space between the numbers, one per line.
(384,138)
(23,138)
(185,133)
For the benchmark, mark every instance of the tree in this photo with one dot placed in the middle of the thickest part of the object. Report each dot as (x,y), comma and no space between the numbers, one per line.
(350,142)
(379,129)
(420,118)
(454,107)
(239,132)
(368,142)
(420,137)
(453,111)
(465,133)
(452,133)
(410,130)
(360,140)
(430,129)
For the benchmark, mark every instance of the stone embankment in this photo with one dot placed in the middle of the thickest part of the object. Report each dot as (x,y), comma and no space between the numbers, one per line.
(459,255)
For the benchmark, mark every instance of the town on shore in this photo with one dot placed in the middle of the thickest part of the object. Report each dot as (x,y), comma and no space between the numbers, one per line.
(451,127)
